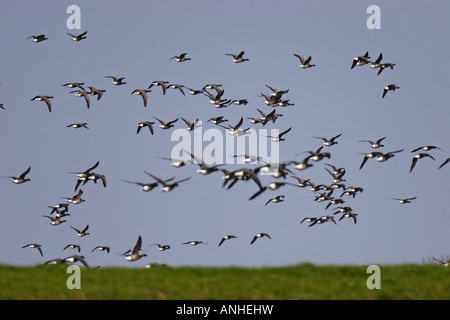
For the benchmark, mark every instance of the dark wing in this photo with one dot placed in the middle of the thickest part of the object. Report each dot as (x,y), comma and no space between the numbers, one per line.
(49,104)
(302,60)
(25,173)
(138,245)
(93,167)
(444,163)
(413,164)
(363,162)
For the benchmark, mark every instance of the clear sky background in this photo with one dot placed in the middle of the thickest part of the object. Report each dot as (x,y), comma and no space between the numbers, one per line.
(135,40)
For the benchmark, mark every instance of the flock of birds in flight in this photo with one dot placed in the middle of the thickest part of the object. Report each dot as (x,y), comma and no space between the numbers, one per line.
(322,192)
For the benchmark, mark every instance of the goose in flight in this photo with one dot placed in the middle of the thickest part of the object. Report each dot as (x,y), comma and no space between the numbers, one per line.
(238,58)
(135,255)
(20,179)
(34,245)
(142,93)
(46,99)
(78,37)
(305,63)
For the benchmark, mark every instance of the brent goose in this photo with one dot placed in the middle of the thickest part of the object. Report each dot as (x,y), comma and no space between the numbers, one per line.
(376,63)
(74,85)
(375,145)
(162,84)
(74,259)
(279,137)
(277,199)
(135,251)
(55,208)
(302,165)
(101,248)
(194,91)
(84,176)
(77,125)
(76,199)
(309,219)
(20,179)
(143,124)
(214,86)
(351,191)
(177,86)
(98,92)
(417,157)
(336,170)
(227,237)
(379,156)
(60,213)
(55,220)
(146,187)
(161,247)
(83,93)
(177,162)
(167,186)
(73,246)
(77,37)
(194,243)
(404,200)
(322,219)
(46,99)
(390,87)
(360,60)
(249,158)
(38,38)
(444,262)
(259,235)
(204,169)
(342,210)
(181,58)
(191,125)
(349,215)
(235,131)
(166,125)
(317,155)
(142,93)
(337,177)
(277,92)
(368,156)
(384,66)
(81,233)
(426,148)
(304,63)
(266,117)
(329,142)
(94,177)
(117,81)
(302,183)
(217,120)
(239,101)
(34,245)
(238,58)
(242,174)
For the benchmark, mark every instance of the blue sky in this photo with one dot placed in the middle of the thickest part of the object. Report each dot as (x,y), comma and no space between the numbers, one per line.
(136,40)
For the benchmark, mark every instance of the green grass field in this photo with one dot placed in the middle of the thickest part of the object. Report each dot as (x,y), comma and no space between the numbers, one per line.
(299,282)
